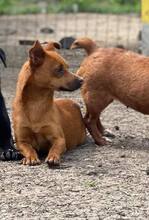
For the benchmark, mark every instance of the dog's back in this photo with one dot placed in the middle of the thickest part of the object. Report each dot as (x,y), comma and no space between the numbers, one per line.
(124,75)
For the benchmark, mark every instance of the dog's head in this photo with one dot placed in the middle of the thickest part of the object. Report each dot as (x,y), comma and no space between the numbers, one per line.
(50,70)
(85,43)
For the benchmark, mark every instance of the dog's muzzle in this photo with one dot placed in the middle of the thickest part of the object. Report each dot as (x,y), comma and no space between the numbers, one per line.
(76,84)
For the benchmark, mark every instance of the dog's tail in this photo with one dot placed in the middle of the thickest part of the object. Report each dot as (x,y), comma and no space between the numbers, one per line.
(85,43)
(3,57)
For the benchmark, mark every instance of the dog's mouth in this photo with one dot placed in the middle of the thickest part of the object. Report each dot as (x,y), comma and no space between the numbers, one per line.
(65,89)
(72,86)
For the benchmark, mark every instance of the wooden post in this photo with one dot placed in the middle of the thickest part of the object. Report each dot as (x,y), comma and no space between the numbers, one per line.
(145,11)
(145,28)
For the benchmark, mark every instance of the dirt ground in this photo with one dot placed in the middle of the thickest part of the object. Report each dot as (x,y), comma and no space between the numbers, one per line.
(103,183)
(94,183)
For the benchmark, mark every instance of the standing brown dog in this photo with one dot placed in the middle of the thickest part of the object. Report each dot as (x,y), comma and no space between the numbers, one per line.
(40,122)
(111,73)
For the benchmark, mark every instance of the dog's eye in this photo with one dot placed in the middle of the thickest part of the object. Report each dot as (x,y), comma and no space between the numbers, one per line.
(60,71)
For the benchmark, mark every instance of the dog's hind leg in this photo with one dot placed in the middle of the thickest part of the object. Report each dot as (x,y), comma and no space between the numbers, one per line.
(95,105)
(100,126)
(91,124)
(105,132)
(7,150)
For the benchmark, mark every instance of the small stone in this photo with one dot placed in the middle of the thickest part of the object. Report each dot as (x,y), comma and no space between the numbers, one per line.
(117,128)
(147,171)
(122,147)
(123,155)
(19,191)
(122,213)
(100,165)
(92,173)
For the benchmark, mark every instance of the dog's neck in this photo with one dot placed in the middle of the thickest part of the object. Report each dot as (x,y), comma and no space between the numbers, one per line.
(36,102)
(91,48)
(34,93)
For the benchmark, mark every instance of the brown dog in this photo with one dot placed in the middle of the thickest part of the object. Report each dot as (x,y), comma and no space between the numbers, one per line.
(40,122)
(111,73)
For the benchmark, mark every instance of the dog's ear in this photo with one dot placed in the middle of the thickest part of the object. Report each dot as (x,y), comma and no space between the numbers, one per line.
(36,54)
(52,46)
(57,45)
(75,45)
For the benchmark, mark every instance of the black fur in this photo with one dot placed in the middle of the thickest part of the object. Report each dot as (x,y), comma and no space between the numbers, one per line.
(3,57)
(7,149)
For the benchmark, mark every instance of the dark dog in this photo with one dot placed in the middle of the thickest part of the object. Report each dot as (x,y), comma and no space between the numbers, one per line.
(7,149)
(66,42)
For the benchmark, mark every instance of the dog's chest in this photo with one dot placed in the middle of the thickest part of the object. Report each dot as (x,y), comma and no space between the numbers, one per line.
(36,127)
(37,117)
(40,142)
(34,112)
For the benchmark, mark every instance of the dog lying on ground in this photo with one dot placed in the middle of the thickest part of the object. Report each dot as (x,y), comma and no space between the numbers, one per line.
(40,122)
(7,150)
(111,74)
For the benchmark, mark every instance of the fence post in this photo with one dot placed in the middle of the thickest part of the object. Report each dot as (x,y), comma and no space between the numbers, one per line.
(145,27)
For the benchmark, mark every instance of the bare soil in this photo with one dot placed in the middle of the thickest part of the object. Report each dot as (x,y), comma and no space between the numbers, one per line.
(93,182)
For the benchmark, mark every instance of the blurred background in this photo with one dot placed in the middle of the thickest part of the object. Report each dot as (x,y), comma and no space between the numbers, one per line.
(109,22)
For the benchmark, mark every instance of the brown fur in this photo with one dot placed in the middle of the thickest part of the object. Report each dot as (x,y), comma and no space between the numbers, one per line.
(112,73)
(40,122)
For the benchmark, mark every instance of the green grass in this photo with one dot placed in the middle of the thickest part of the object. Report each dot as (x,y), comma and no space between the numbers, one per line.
(98,6)
(18,7)
(90,184)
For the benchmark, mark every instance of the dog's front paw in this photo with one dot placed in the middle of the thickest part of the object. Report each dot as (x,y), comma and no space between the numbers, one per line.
(53,160)
(10,155)
(32,160)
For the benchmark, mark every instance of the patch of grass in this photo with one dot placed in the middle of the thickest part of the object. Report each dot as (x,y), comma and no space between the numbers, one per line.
(18,7)
(90,184)
(98,6)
